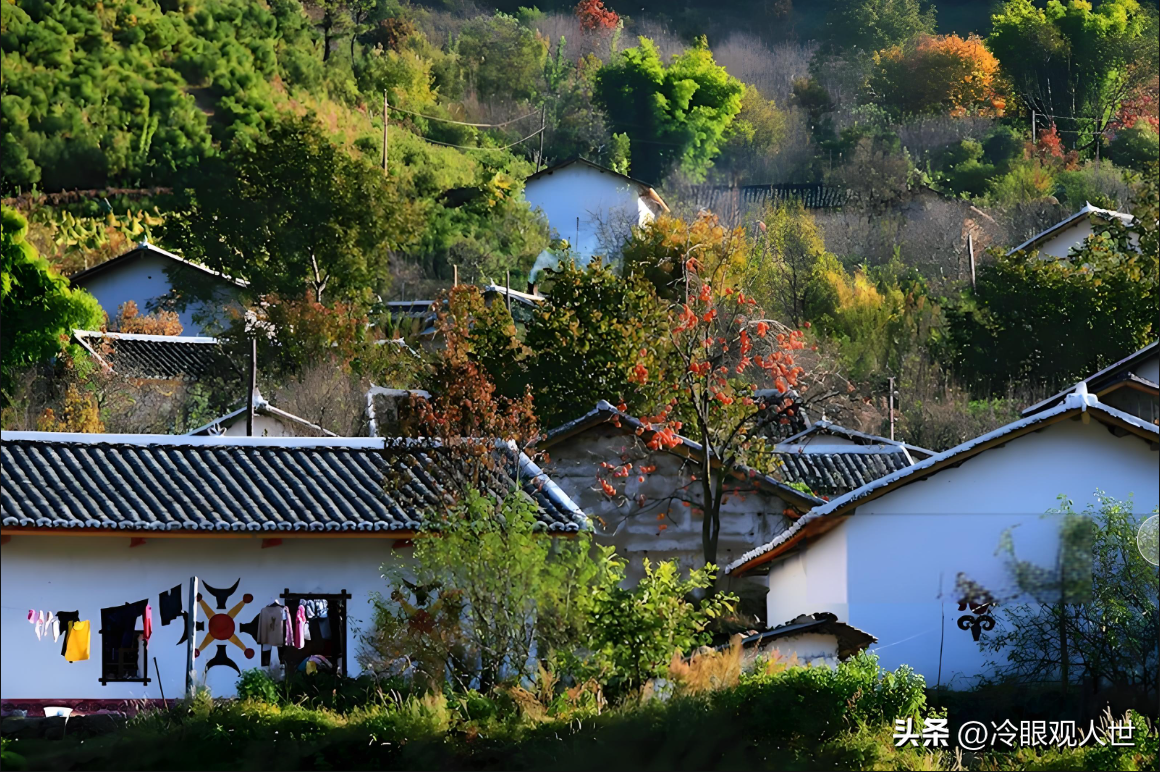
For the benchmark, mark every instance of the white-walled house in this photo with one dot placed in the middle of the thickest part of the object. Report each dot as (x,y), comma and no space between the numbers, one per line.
(1069,234)
(93,522)
(148,275)
(904,557)
(591,207)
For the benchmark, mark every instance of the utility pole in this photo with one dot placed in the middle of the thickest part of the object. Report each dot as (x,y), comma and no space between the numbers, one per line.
(1034,136)
(508,291)
(454,276)
(190,632)
(543,119)
(253,387)
(892,407)
(971,254)
(386,123)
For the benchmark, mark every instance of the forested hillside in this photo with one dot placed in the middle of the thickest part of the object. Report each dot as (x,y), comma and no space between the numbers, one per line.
(249,136)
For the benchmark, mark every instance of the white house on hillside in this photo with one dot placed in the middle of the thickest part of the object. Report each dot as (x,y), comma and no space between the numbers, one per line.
(1066,235)
(591,207)
(148,275)
(906,556)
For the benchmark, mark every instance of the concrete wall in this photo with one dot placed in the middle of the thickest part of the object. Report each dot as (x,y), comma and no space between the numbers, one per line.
(143,280)
(1149,369)
(88,573)
(752,517)
(593,210)
(264,426)
(905,550)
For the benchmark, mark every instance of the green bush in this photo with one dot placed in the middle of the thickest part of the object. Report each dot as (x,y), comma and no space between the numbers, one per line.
(257,684)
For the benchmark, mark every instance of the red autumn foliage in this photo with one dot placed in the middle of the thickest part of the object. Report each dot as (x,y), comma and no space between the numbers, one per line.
(594,17)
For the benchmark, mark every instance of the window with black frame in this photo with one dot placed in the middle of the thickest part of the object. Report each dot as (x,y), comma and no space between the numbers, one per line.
(321,617)
(124,647)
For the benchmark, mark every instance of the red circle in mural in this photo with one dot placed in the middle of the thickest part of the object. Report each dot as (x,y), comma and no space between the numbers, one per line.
(221,626)
(249,653)
(248,598)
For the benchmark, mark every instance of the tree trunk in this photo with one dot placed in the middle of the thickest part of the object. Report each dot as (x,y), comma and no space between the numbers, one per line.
(327,25)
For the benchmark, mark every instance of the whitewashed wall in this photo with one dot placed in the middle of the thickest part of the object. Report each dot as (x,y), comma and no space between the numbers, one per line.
(753,518)
(143,280)
(88,573)
(592,210)
(815,649)
(900,554)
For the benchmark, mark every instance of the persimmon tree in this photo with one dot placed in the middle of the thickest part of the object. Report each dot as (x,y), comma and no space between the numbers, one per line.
(160,322)
(733,379)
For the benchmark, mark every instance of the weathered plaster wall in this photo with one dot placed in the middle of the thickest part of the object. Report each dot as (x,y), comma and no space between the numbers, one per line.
(750,518)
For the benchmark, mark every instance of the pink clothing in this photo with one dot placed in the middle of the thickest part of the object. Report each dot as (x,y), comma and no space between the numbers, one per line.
(300,628)
(148,621)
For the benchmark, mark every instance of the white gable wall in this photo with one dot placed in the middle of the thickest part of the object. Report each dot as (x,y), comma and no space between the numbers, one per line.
(593,210)
(88,573)
(1149,368)
(143,280)
(904,550)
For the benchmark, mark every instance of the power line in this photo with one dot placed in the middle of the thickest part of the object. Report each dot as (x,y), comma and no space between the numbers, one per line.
(463,123)
(467,147)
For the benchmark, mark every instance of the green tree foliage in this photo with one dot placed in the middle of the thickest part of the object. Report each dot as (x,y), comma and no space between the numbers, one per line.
(1090,617)
(675,115)
(1135,148)
(872,25)
(757,134)
(592,326)
(488,594)
(118,93)
(633,634)
(1059,320)
(38,307)
(292,213)
(502,58)
(1075,62)
(786,252)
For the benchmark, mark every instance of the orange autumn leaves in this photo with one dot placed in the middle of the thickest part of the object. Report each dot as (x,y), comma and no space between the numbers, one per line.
(939,74)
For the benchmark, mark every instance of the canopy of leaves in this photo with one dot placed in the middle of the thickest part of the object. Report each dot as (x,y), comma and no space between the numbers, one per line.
(107,93)
(1074,63)
(488,596)
(943,74)
(675,115)
(39,309)
(294,212)
(501,57)
(871,25)
(584,341)
(1060,320)
(1092,616)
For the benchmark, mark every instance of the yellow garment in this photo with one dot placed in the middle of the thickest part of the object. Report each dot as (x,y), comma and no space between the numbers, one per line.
(311,668)
(77,648)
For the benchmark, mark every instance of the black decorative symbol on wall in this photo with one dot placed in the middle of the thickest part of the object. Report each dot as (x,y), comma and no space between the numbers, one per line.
(222,626)
(980,601)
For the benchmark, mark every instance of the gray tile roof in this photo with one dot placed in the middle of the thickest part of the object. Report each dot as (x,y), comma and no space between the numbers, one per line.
(156,482)
(160,357)
(836,472)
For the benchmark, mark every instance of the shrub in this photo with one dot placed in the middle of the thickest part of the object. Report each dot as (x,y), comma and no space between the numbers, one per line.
(257,684)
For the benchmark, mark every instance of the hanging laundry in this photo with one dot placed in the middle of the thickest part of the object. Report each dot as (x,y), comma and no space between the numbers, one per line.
(40,626)
(169,605)
(119,638)
(147,624)
(77,641)
(271,625)
(52,626)
(301,635)
(64,618)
